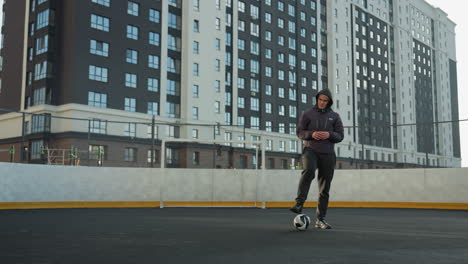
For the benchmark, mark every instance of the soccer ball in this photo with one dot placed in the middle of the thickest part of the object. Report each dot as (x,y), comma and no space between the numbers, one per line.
(301,222)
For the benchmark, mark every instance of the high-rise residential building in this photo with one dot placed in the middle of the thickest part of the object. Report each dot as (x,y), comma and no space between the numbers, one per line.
(95,72)
(394,75)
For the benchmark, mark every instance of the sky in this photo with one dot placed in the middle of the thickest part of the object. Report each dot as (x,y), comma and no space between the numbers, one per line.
(456,10)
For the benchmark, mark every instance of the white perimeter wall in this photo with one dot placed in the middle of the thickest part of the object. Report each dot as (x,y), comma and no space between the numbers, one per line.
(37,183)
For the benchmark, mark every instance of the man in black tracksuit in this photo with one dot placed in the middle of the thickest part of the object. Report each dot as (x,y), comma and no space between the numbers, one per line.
(319,128)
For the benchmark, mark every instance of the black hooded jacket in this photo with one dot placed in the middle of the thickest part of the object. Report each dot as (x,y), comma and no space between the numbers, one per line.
(315,119)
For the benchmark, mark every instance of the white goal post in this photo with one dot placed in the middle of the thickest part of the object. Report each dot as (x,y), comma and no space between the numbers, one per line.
(215,141)
(260,175)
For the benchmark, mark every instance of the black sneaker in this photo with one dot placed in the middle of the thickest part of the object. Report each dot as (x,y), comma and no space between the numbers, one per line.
(322,224)
(296,208)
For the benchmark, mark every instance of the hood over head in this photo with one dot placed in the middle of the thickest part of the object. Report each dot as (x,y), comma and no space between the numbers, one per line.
(326,92)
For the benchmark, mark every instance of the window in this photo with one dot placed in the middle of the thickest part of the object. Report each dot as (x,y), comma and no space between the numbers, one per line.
(40,123)
(195,113)
(241,25)
(97,73)
(240,83)
(196,26)
(98,126)
(196,47)
(173,65)
(42,19)
(195,89)
(130,104)
(268,89)
(196,158)
(39,96)
(153,108)
(240,122)
(227,118)
(217,106)
(254,11)
(153,62)
(154,16)
(292,26)
(97,99)
(130,130)
(173,43)
(154,38)
(130,154)
(132,32)
(268,17)
(175,3)
(173,21)
(36,149)
(240,102)
(268,108)
(132,56)
(227,136)
(281,129)
(292,94)
(132,8)
(254,66)
(254,104)
(102,2)
(268,71)
(217,86)
(99,22)
(173,87)
(42,44)
(268,35)
(268,126)
(292,111)
(280,6)
(241,64)
(99,48)
(241,44)
(130,80)
(254,48)
(281,40)
(195,69)
(254,85)
(254,29)
(218,44)
(152,155)
(153,85)
(281,110)
(194,133)
(254,122)
(241,6)
(172,110)
(292,43)
(218,23)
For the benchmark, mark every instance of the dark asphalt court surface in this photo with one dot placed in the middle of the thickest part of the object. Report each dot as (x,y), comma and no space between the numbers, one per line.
(231,235)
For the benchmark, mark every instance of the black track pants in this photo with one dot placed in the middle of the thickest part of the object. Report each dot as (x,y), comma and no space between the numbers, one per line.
(325,163)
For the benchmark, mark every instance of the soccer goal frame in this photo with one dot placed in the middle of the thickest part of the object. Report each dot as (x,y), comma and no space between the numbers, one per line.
(216,141)
(260,174)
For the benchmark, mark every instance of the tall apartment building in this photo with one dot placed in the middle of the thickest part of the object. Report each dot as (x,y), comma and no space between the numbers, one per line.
(394,64)
(228,69)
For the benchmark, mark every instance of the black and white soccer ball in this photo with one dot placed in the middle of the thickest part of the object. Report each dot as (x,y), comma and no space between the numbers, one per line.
(301,222)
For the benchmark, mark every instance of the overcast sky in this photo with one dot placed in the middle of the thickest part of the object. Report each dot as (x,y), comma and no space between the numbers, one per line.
(456,10)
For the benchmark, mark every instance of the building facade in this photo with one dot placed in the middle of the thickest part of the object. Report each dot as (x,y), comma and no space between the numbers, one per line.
(113,78)
(394,74)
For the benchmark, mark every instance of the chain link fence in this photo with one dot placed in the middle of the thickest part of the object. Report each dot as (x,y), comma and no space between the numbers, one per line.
(136,142)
